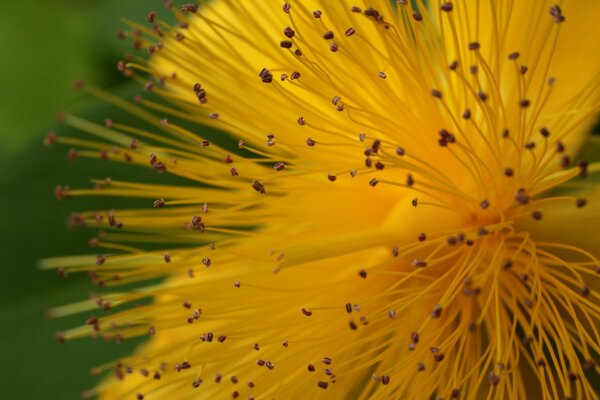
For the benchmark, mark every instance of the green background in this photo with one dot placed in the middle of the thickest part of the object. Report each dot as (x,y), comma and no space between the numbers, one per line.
(44,47)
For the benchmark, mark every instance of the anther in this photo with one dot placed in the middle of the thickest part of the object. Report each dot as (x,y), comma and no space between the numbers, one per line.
(328,35)
(565,161)
(279,166)
(509,172)
(466,114)
(581,202)
(159,203)
(437,311)
(524,103)
(446,7)
(545,132)
(417,16)
(474,46)
(311,368)
(362,273)
(382,75)
(286,44)
(286,8)
(317,13)
(585,291)
(410,180)
(400,151)
(289,32)
(589,365)
(349,32)
(493,378)
(482,95)
(453,65)
(385,379)
(322,384)
(484,204)
(310,142)
(333,47)
(326,360)
(392,314)
(455,393)
(373,182)
(507,263)
(306,312)
(521,197)
(436,93)
(420,367)
(583,168)
(167,257)
(556,14)
(259,187)
(331,177)
(537,215)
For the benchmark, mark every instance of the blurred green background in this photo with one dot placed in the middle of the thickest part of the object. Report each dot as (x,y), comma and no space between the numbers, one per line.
(45,46)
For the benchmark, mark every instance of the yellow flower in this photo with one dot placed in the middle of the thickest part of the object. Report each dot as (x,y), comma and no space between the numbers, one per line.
(403,217)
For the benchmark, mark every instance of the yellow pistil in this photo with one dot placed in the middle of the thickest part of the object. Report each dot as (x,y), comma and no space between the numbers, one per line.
(382,217)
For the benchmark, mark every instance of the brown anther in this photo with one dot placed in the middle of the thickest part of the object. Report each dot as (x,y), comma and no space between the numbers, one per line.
(414,202)
(289,32)
(196,383)
(72,154)
(385,379)
(269,364)
(234,172)
(589,365)
(349,32)
(322,384)
(266,76)
(310,142)
(484,204)
(521,197)
(317,13)
(436,93)
(420,367)
(100,259)
(331,177)
(438,357)
(419,263)
(513,56)
(466,114)
(159,203)
(362,273)
(400,151)
(382,75)
(474,46)
(509,172)
(583,168)
(537,215)
(523,69)
(493,378)
(446,7)
(286,8)
(437,311)
(50,138)
(455,393)
(453,65)
(395,251)
(451,240)
(258,186)
(581,202)
(422,237)
(524,103)
(585,291)
(530,145)
(237,284)
(482,95)
(306,312)
(556,14)
(507,263)
(544,132)
(417,16)
(410,180)
(286,44)
(333,47)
